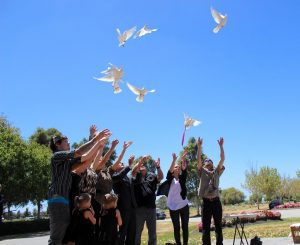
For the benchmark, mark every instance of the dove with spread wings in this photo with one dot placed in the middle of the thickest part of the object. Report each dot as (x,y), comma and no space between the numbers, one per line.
(144,31)
(123,37)
(113,75)
(220,19)
(188,122)
(140,92)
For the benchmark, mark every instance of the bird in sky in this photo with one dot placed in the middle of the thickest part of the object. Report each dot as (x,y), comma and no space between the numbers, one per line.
(220,19)
(140,92)
(113,75)
(188,122)
(123,37)
(144,31)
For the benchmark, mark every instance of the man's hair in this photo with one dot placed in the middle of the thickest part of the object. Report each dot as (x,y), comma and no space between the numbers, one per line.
(57,139)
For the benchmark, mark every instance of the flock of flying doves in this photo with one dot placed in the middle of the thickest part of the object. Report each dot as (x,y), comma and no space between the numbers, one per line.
(114,75)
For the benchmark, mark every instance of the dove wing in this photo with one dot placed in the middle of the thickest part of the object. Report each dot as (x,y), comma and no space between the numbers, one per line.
(217,17)
(133,89)
(105,79)
(151,91)
(130,32)
(195,122)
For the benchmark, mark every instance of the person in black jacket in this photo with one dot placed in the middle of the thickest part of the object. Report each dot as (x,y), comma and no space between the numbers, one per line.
(175,189)
(123,186)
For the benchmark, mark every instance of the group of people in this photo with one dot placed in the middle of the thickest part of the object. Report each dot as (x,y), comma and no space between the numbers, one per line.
(92,201)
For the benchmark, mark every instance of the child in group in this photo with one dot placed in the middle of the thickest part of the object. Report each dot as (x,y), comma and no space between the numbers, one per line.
(110,221)
(83,220)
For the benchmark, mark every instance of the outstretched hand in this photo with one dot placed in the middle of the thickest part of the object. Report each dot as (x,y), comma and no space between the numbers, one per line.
(157,163)
(221,142)
(199,142)
(93,129)
(131,160)
(114,143)
(127,144)
(174,157)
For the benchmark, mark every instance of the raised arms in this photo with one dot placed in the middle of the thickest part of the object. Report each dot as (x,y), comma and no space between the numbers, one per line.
(160,174)
(173,162)
(117,163)
(88,145)
(199,153)
(222,154)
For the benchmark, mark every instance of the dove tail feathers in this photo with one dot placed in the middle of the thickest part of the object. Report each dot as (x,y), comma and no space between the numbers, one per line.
(217,29)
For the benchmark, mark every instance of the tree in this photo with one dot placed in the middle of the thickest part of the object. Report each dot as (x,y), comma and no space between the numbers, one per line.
(162,202)
(38,162)
(18,215)
(26,213)
(232,196)
(285,189)
(269,180)
(192,182)
(13,167)
(252,184)
(298,173)
(43,136)
(265,182)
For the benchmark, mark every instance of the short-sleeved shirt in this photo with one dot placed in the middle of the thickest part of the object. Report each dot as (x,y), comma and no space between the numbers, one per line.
(145,188)
(209,183)
(61,165)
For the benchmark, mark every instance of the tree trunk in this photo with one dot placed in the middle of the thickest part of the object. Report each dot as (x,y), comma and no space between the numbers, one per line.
(257,201)
(8,211)
(38,209)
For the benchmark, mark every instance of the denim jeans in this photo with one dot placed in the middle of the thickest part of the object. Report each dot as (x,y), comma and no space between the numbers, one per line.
(59,214)
(212,209)
(184,215)
(147,215)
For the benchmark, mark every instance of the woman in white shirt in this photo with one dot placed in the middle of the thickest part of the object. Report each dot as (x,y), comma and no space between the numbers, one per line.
(175,189)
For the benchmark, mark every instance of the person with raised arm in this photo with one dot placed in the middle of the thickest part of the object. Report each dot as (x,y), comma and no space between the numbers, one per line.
(63,162)
(145,185)
(104,183)
(123,187)
(175,190)
(209,192)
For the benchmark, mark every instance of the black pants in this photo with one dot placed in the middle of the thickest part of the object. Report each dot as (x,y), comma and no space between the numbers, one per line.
(211,209)
(184,215)
(128,227)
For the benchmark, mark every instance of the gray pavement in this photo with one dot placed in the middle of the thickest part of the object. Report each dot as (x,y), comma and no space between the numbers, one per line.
(39,240)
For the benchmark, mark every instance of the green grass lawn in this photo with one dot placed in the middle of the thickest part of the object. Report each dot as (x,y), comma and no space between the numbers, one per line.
(276,228)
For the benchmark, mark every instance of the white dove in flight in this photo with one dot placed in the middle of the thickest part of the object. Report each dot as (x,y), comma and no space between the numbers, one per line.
(188,122)
(123,37)
(144,31)
(220,19)
(140,92)
(113,75)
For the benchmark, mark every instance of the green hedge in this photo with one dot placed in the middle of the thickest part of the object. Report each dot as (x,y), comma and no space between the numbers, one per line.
(21,227)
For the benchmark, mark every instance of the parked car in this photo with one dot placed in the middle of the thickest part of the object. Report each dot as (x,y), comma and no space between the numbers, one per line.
(160,214)
(275,203)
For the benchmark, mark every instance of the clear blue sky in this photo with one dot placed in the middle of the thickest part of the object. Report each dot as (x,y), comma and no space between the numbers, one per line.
(243,83)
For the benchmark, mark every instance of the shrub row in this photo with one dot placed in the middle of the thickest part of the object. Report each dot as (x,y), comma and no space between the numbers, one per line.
(22,227)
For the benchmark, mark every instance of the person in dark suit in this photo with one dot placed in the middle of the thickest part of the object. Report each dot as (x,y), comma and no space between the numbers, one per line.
(123,187)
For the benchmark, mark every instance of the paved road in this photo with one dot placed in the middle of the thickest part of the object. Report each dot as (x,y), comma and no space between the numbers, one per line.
(43,240)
